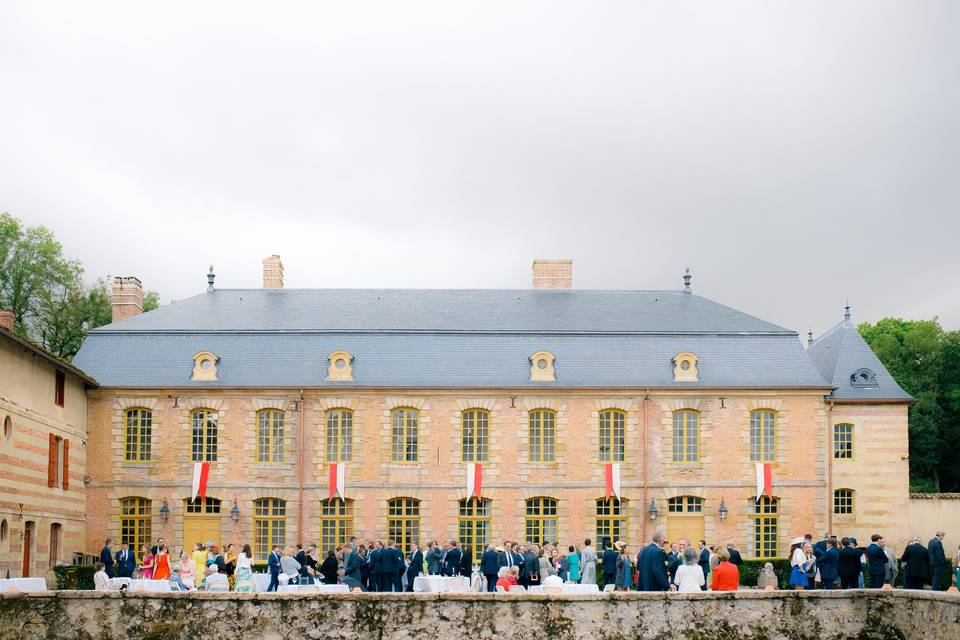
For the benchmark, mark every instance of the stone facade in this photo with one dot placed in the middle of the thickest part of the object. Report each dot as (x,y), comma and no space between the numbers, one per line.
(807,615)
(575,479)
(42,517)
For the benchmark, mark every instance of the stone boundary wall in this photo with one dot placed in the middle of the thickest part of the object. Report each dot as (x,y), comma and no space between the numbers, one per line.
(779,615)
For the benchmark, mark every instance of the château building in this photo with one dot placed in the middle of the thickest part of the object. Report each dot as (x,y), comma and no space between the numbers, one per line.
(43,456)
(542,388)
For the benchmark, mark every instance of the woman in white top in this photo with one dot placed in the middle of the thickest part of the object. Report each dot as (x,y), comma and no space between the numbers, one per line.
(689,577)
(101,581)
(244,574)
(798,564)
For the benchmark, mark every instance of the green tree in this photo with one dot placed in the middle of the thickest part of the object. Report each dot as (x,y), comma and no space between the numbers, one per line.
(50,302)
(925,360)
(31,266)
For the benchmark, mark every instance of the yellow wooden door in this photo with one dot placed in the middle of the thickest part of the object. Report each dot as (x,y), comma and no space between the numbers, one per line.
(689,527)
(202,529)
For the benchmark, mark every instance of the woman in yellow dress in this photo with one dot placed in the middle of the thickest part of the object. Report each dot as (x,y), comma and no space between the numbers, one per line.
(199,556)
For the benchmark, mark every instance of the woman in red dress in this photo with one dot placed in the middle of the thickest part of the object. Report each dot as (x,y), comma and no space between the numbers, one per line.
(161,563)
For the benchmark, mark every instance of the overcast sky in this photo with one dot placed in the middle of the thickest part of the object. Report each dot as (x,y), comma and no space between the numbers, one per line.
(793,154)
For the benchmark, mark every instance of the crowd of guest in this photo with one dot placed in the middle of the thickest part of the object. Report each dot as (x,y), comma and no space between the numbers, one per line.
(658,565)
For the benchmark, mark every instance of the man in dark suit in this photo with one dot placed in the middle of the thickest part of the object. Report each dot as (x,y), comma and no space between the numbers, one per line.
(849,566)
(106,557)
(704,561)
(653,567)
(393,566)
(415,567)
(160,543)
(829,564)
(609,563)
(531,566)
(735,557)
(126,562)
(434,558)
(273,565)
(938,560)
(351,563)
(876,561)
(917,561)
(451,562)
(490,566)
(508,557)
(376,567)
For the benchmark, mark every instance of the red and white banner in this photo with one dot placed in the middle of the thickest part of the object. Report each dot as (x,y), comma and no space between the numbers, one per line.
(612,473)
(764,480)
(337,473)
(201,470)
(474,479)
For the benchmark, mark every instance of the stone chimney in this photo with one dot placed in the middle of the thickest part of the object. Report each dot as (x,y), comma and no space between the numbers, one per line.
(272,273)
(6,320)
(126,298)
(552,274)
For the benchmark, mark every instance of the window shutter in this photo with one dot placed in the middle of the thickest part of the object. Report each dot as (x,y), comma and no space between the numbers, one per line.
(66,464)
(52,462)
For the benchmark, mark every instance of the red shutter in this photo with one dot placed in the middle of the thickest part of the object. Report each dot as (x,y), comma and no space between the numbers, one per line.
(66,464)
(52,462)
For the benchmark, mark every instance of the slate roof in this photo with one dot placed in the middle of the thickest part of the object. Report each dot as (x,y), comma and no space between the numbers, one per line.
(841,352)
(447,338)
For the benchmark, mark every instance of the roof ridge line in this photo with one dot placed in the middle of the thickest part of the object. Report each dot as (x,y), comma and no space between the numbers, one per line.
(785,333)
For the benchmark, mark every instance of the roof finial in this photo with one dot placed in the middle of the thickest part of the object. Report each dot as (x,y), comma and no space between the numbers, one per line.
(846,311)
(686,280)
(210,277)
(810,337)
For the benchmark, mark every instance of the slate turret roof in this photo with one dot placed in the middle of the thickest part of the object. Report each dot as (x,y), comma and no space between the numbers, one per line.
(446,339)
(848,363)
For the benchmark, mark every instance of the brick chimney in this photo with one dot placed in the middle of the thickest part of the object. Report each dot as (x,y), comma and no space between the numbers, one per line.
(272,272)
(6,320)
(126,298)
(552,274)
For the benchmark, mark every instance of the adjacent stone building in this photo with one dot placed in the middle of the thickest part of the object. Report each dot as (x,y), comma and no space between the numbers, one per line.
(43,456)
(543,388)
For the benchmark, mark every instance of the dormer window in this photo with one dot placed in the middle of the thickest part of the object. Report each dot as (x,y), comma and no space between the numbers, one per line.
(863,378)
(340,367)
(541,367)
(204,366)
(685,368)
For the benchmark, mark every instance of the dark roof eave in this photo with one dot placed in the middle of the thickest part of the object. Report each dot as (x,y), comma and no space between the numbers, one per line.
(56,361)
(907,400)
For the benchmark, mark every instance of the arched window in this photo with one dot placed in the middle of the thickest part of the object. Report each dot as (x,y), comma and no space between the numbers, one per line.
(612,435)
(135,522)
(843,502)
(403,521)
(685,504)
(336,523)
(542,435)
(137,433)
(686,436)
(270,435)
(843,442)
(541,524)
(339,435)
(405,437)
(473,523)
(209,506)
(611,520)
(765,513)
(204,431)
(269,525)
(475,425)
(763,431)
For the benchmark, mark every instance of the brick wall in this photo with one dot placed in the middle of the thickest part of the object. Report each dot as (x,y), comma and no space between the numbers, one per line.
(576,478)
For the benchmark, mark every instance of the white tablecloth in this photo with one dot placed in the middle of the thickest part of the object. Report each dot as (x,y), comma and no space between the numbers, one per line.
(261,581)
(149,585)
(569,588)
(114,584)
(314,588)
(441,584)
(22,584)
